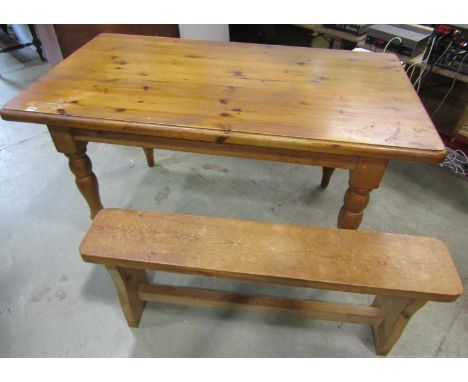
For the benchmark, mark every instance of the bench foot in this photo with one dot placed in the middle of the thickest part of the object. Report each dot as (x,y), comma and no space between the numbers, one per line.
(149,156)
(126,282)
(327,172)
(397,313)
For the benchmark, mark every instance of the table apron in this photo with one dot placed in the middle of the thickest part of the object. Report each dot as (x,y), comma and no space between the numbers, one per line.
(222,149)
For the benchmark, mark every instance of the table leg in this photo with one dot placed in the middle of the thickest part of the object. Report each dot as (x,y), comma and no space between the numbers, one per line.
(36,42)
(362,180)
(80,165)
(149,156)
(337,43)
(326,175)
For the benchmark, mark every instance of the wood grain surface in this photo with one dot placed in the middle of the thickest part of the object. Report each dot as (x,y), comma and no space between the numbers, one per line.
(346,260)
(322,100)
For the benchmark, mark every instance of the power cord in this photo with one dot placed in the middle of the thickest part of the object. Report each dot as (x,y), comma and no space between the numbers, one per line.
(389,42)
(422,62)
(417,83)
(451,87)
(456,160)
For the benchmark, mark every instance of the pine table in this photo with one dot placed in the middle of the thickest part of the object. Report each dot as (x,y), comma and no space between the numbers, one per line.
(334,109)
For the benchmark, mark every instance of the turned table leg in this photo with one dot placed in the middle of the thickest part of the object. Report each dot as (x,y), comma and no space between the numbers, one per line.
(126,282)
(85,179)
(362,180)
(149,156)
(397,313)
(80,165)
(327,172)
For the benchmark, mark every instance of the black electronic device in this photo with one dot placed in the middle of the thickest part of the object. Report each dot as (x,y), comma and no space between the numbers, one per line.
(449,48)
(356,29)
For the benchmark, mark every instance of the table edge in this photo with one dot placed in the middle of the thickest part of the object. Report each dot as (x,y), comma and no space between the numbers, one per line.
(224,136)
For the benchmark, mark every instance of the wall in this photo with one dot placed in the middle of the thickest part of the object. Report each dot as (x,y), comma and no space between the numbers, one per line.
(213,32)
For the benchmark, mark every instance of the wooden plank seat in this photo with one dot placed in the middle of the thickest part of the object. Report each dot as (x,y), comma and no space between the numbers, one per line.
(402,271)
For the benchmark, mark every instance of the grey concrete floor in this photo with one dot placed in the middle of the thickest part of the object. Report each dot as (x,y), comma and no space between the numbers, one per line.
(52,304)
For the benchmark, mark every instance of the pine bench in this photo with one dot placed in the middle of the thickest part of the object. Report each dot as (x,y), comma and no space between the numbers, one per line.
(402,271)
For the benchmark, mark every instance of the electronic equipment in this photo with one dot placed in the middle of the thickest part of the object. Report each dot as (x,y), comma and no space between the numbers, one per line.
(357,29)
(409,40)
(449,48)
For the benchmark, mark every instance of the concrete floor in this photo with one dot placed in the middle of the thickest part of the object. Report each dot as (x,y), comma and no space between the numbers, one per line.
(52,304)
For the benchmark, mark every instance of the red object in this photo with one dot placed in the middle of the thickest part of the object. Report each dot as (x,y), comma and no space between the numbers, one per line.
(457,142)
(443,29)
(461,139)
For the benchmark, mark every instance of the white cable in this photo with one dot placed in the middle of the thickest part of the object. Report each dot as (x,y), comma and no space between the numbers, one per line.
(413,65)
(439,58)
(443,54)
(412,72)
(455,160)
(423,68)
(451,87)
(417,83)
(388,43)
(422,61)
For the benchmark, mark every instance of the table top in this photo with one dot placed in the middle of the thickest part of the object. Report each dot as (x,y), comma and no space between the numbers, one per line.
(320,100)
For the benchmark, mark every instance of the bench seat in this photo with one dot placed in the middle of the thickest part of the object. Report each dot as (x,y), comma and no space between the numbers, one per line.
(403,271)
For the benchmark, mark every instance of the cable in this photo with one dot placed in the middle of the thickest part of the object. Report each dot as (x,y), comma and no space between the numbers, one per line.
(435,62)
(451,87)
(417,83)
(413,65)
(388,43)
(423,68)
(456,160)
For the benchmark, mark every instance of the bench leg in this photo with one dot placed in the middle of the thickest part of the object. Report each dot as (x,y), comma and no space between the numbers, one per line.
(397,313)
(126,282)
(326,175)
(149,156)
